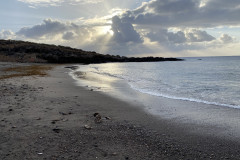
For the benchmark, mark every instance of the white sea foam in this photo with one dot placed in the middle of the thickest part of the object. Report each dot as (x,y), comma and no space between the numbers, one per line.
(183,98)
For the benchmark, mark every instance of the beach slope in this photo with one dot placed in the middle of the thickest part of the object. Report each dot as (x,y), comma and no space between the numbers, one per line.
(48,117)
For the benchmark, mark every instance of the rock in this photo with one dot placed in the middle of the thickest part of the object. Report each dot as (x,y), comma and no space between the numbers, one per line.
(105,154)
(98,118)
(108,118)
(87,127)
(65,120)
(95,114)
(72,67)
(62,113)
(10,110)
(57,130)
(114,154)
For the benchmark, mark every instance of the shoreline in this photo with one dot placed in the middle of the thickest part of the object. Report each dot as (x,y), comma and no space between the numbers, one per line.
(95,76)
(44,118)
(221,121)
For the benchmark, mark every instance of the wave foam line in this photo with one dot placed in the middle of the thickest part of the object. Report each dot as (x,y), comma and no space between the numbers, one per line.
(184,99)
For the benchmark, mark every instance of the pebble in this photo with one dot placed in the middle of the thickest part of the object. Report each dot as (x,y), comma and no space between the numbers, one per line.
(114,153)
(57,130)
(108,118)
(87,127)
(62,113)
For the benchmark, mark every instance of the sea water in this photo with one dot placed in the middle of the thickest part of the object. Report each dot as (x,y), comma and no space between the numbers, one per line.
(210,80)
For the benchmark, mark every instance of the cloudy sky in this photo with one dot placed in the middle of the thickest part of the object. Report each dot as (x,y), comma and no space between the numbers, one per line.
(177,28)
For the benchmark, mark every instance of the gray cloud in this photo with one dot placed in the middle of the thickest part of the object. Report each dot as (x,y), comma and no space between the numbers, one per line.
(222,4)
(7,34)
(47,28)
(163,36)
(226,38)
(178,37)
(185,13)
(124,31)
(68,35)
(153,21)
(199,36)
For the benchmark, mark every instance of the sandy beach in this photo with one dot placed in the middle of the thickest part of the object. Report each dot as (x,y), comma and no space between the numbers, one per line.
(52,118)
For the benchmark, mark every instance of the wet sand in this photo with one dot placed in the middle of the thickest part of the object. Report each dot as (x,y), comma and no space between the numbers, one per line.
(51,118)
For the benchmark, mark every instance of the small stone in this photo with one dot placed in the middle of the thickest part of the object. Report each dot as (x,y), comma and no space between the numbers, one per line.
(95,114)
(108,118)
(57,130)
(87,127)
(105,154)
(10,110)
(98,118)
(62,113)
(114,154)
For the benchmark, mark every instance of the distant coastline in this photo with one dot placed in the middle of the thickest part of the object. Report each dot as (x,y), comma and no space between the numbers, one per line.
(29,52)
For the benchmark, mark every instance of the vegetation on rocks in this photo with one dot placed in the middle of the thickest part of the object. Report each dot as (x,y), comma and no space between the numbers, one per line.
(21,51)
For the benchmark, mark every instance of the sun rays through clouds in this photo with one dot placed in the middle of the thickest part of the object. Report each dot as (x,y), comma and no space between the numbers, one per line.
(143,27)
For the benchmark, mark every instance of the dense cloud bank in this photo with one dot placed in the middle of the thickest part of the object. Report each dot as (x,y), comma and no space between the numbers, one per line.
(185,13)
(155,26)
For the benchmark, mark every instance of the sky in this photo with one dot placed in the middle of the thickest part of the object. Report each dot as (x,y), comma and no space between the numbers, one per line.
(166,28)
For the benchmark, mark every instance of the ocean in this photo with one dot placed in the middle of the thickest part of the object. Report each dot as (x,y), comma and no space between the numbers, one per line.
(209,80)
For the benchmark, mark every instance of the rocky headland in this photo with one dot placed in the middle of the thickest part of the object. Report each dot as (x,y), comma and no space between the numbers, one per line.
(29,52)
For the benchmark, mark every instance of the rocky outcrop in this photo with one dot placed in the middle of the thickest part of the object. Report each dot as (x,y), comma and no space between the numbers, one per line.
(21,51)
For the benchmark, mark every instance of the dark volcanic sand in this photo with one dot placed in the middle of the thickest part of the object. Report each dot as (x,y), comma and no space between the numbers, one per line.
(44,118)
